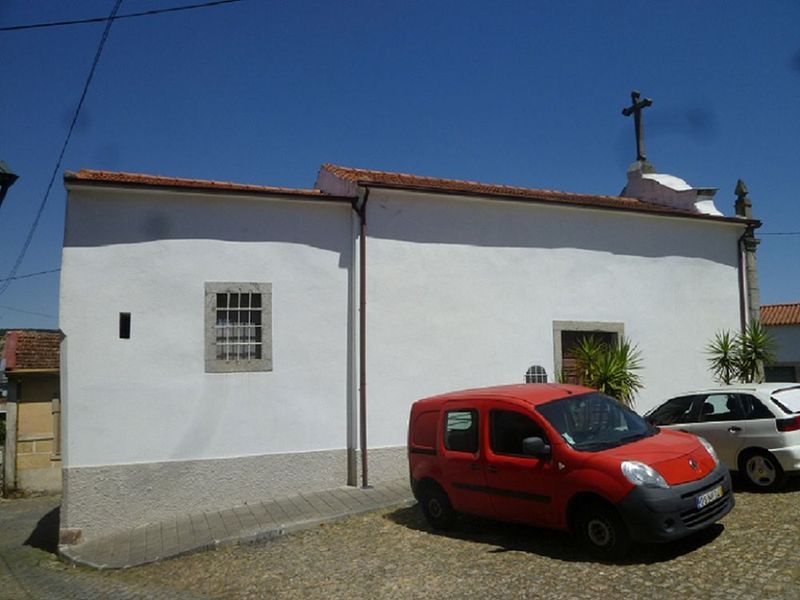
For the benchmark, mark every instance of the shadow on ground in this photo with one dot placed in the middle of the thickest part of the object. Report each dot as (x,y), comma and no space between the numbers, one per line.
(45,535)
(741,485)
(513,537)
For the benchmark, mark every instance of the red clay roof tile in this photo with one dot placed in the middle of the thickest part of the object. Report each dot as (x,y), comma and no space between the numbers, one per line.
(32,350)
(405,180)
(93,176)
(780,314)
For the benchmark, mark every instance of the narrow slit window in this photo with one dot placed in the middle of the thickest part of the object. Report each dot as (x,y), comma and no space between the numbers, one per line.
(124,326)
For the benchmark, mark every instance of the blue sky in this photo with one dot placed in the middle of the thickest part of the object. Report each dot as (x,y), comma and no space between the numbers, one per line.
(522,93)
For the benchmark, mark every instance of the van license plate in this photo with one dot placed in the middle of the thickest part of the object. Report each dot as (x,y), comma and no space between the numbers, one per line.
(709,497)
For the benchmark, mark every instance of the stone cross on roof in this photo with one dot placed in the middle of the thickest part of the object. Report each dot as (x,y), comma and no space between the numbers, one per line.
(635,109)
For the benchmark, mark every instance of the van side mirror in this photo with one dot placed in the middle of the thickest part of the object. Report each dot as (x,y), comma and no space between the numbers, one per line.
(535,446)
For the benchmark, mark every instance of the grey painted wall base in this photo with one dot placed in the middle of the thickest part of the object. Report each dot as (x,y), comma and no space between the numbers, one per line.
(100,500)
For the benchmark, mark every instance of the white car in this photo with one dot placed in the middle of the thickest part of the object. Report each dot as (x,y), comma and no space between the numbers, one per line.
(754,428)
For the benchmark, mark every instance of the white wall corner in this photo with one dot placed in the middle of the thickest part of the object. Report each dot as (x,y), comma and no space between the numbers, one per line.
(336,186)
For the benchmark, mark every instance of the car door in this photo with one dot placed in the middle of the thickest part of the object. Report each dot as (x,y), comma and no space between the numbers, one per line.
(521,487)
(760,430)
(463,460)
(722,422)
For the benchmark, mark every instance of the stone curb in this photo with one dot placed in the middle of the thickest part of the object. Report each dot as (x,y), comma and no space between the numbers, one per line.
(256,536)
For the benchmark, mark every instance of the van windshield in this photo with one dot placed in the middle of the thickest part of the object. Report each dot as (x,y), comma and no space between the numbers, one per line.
(593,422)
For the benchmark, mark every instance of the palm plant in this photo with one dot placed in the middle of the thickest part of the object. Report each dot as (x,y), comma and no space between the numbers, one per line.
(724,352)
(609,368)
(742,356)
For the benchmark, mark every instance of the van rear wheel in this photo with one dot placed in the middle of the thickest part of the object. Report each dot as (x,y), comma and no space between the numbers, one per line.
(437,508)
(603,532)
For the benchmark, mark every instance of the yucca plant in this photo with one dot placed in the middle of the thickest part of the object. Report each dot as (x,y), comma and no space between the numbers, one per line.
(741,357)
(610,368)
(756,348)
(724,352)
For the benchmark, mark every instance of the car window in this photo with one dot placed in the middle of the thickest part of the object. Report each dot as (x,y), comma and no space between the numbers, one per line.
(788,399)
(677,410)
(753,408)
(721,407)
(508,429)
(461,430)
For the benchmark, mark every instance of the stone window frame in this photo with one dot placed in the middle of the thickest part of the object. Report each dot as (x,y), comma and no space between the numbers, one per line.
(559,327)
(238,365)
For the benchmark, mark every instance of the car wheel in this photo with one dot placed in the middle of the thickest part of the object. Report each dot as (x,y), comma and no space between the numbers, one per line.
(603,531)
(762,470)
(437,508)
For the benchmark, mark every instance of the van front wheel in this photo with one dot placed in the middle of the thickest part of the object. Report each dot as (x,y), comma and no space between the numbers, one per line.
(437,508)
(603,531)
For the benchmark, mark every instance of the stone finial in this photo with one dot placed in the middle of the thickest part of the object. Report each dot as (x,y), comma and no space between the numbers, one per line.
(741,189)
(743,206)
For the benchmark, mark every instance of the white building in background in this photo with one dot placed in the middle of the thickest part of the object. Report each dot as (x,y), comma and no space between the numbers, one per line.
(212,348)
(782,321)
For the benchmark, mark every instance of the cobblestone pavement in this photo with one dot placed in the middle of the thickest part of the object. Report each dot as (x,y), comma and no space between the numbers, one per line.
(393,554)
(29,567)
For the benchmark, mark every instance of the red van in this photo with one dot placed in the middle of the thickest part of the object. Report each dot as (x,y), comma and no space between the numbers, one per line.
(565,457)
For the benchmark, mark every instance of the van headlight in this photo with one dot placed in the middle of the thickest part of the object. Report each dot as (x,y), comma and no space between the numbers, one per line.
(710,449)
(641,474)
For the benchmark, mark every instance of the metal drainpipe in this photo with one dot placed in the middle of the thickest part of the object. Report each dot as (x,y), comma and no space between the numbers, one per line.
(362,335)
(742,282)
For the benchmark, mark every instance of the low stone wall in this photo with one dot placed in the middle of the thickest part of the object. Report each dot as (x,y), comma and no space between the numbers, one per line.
(37,469)
(99,500)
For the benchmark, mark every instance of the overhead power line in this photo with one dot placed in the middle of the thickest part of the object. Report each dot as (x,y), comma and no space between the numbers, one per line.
(28,312)
(147,13)
(27,275)
(781,233)
(20,257)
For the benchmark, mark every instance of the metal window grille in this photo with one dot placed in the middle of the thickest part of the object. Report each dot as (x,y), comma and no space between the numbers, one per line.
(536,374)
(238,326)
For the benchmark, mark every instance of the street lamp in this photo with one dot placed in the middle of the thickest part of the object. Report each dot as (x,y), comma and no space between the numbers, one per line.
(7,179)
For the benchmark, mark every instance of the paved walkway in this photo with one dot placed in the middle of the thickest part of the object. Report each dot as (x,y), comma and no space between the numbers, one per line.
(250,523)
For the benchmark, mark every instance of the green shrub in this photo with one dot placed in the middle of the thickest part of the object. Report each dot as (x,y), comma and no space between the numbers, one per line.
(609,368)
(741,357)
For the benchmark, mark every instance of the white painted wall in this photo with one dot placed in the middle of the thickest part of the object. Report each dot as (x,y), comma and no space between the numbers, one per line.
(464,292)
(148,398)
(787,340)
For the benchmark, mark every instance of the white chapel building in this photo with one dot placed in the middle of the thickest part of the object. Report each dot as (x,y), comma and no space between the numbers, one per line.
(225,343)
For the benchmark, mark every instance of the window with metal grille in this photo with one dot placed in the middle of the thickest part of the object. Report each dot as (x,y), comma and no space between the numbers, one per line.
(238,327)
(536,374)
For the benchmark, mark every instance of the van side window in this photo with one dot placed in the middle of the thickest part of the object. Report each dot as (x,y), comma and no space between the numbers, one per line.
(461,430)
(508,429)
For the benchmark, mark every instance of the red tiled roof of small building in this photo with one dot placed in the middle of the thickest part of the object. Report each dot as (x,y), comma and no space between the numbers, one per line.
(780,314)
(29,350)
(408,181)
(93,176)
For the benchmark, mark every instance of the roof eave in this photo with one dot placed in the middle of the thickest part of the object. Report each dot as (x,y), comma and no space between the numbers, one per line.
(72,182)
(754,223)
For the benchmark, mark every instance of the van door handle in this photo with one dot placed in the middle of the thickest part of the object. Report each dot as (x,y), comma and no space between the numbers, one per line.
(492,469)
(734,429)
(475,467)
